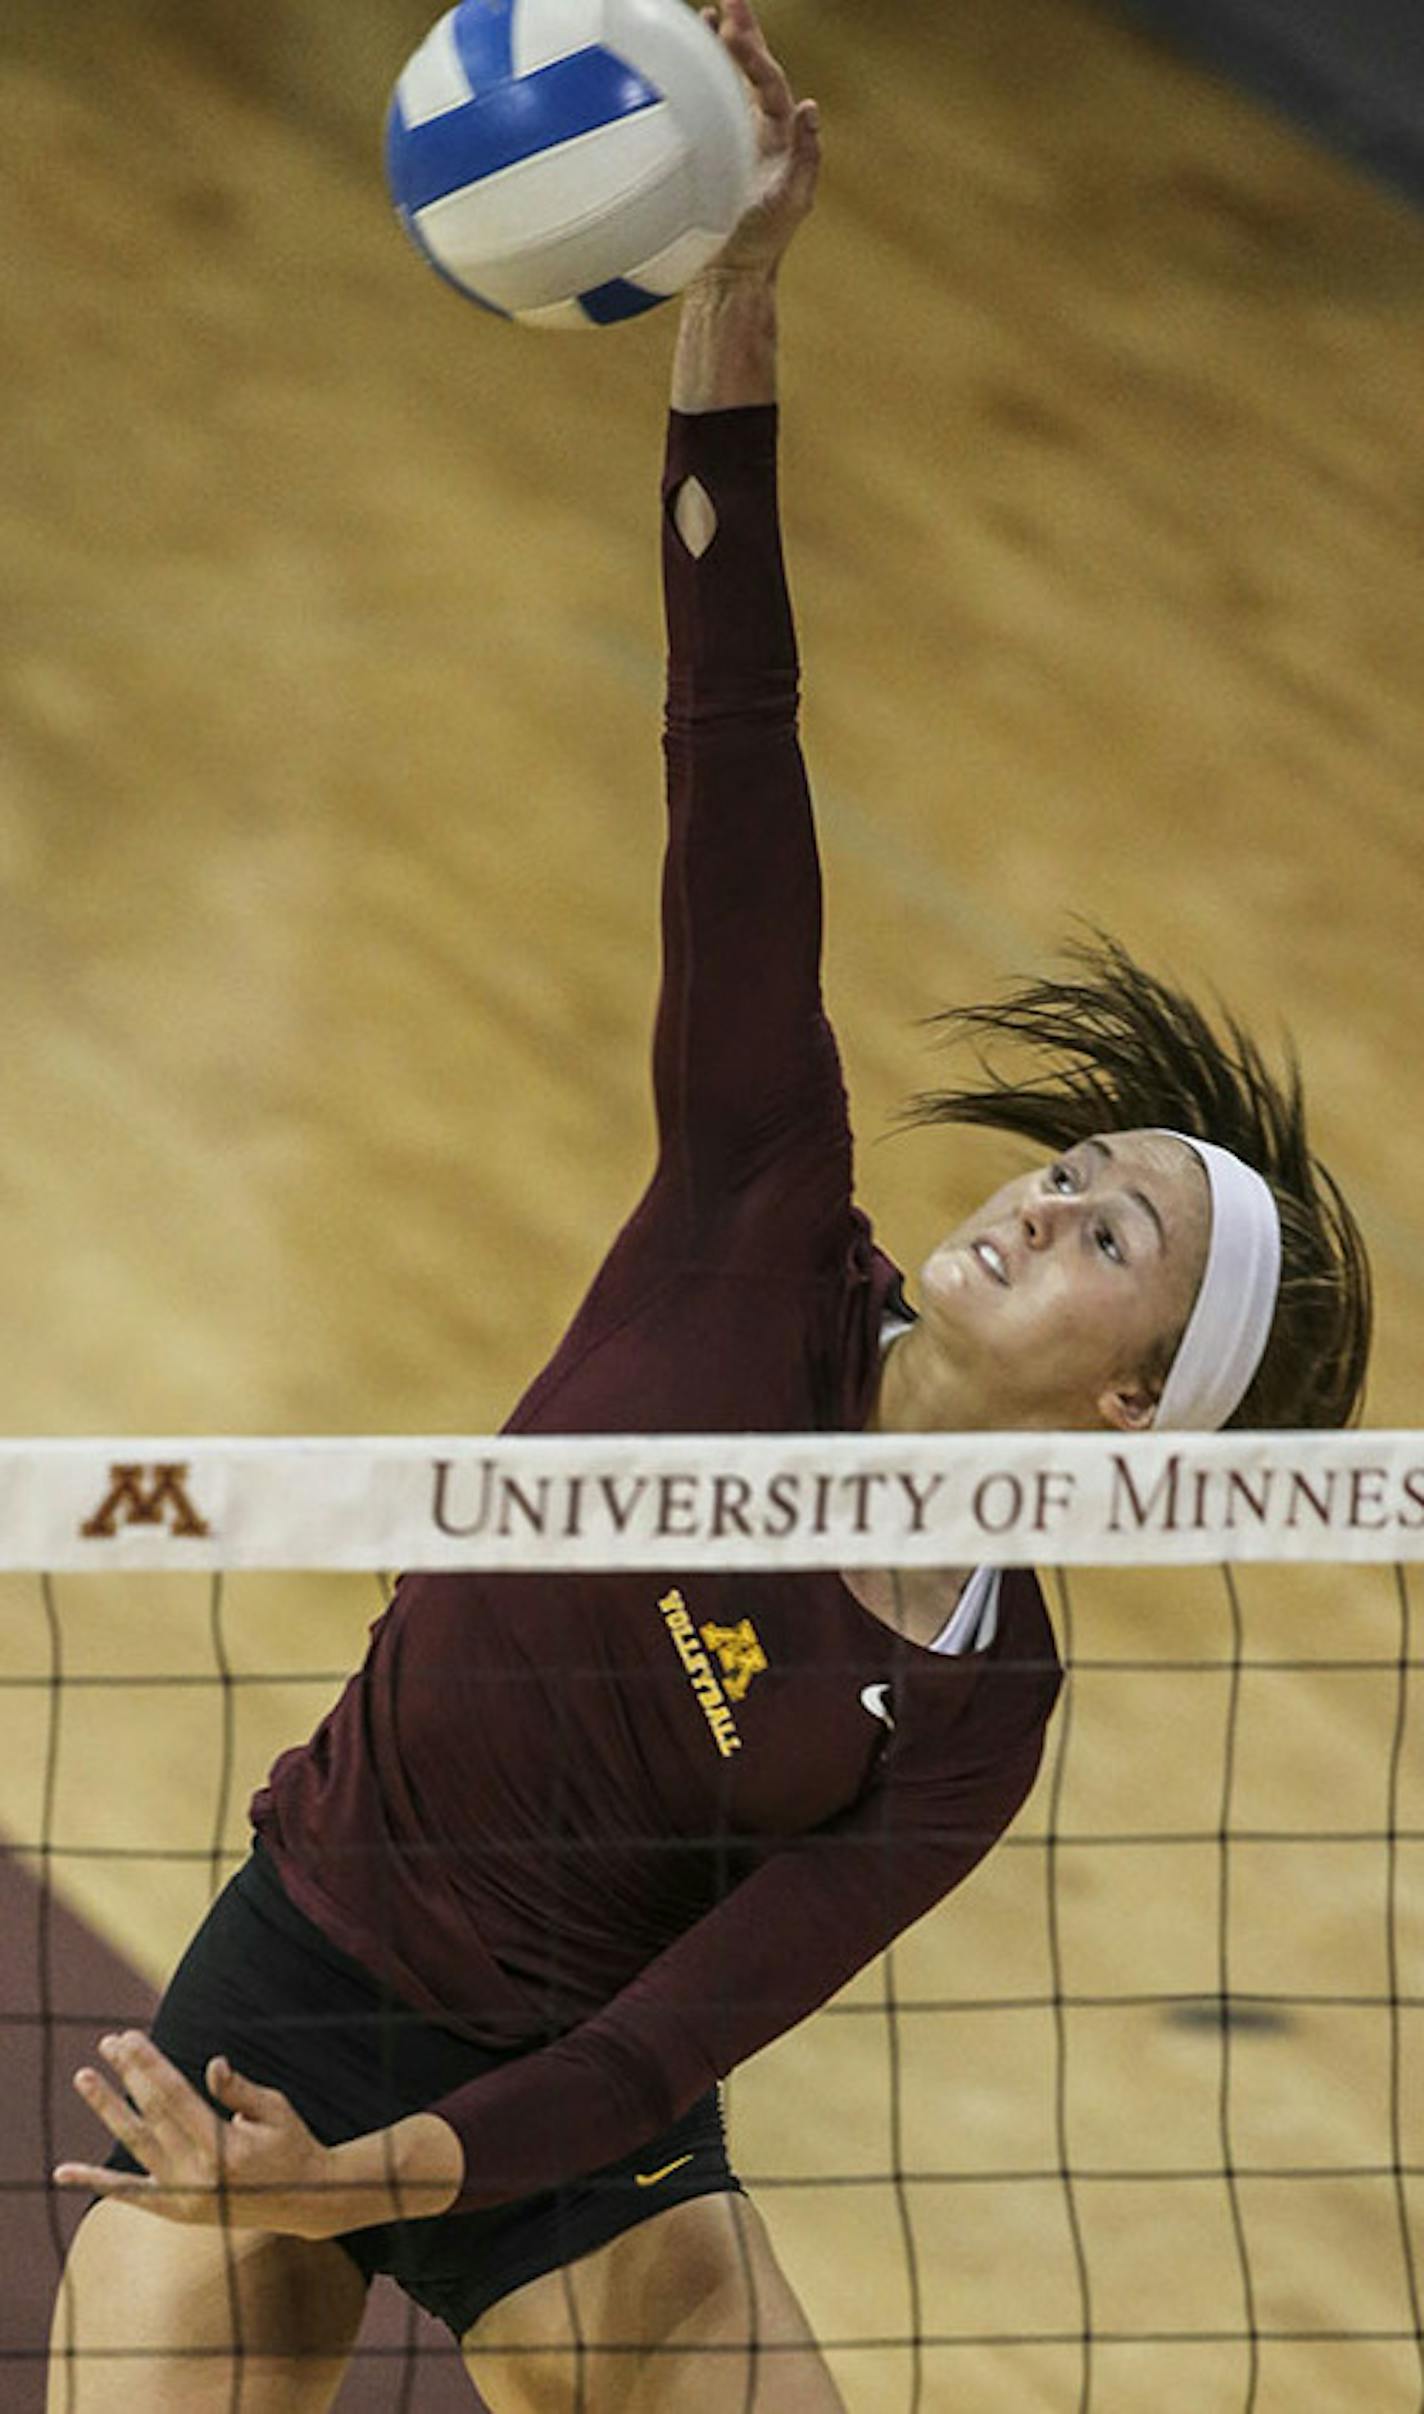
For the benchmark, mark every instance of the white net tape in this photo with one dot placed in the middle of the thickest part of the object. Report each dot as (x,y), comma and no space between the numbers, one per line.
(711,1501)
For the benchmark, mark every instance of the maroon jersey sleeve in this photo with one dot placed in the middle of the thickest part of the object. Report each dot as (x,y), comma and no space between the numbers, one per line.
(743,1053)
(754,1167)
(776,1948)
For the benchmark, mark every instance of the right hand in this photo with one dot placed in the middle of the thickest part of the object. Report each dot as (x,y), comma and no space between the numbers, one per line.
(788,149)
(263,2169)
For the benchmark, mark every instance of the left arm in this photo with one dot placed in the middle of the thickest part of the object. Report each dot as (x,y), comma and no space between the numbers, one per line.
(775,1949)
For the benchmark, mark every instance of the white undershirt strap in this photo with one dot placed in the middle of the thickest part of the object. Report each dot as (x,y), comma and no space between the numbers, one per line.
(974,1620)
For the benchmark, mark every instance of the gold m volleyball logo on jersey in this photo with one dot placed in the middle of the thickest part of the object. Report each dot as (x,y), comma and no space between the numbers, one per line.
(741,1656)
(145,1496)
(739,1653)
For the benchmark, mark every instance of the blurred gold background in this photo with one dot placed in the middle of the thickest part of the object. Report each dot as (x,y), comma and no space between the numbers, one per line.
(329,832)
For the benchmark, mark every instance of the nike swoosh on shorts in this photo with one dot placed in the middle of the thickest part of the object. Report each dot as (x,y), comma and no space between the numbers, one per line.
(649,2179)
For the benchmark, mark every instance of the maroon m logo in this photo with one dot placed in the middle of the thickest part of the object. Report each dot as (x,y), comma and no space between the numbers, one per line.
(145,1496)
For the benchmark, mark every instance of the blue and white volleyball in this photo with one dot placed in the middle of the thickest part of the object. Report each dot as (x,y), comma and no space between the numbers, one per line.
(570,163)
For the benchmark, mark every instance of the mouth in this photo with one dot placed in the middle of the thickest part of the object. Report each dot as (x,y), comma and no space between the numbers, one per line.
(991,1258)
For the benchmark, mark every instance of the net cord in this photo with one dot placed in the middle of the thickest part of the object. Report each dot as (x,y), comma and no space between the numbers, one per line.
(719,1502)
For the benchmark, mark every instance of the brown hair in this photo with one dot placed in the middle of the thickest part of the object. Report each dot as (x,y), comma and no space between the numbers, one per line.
(1118,1050)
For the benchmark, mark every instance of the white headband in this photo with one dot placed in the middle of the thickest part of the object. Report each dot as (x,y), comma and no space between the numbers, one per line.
(1230,1323)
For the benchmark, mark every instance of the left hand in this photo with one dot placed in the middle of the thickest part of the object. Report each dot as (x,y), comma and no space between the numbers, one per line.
(263,2169)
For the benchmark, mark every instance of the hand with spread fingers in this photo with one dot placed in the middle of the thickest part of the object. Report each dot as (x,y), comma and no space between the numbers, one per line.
(262,2169)
(788,147)
(727,337)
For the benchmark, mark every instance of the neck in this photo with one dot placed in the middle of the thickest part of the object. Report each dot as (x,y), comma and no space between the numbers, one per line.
(919,1392)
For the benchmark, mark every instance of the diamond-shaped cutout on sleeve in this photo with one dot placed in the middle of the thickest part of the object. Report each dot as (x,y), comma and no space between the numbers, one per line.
(694,517)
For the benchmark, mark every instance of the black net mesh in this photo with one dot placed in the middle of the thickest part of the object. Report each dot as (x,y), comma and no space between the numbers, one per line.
(1137,2116)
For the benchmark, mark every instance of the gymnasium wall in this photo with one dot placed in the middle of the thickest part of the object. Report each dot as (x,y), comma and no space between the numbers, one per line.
(1351,69)
(318,63)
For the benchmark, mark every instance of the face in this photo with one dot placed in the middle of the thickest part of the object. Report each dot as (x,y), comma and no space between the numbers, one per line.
(1059,1302)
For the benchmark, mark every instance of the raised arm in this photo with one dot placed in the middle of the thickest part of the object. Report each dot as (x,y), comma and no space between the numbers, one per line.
(742,1053)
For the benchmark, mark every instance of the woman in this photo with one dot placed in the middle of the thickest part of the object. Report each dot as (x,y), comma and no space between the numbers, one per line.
(566,1851)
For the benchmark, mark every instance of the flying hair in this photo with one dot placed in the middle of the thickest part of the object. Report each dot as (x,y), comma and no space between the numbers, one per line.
(1110,1047)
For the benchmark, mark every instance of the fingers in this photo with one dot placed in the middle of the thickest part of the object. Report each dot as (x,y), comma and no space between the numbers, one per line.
(196,2166)
(800,161)
(243,2096)
(806,130)
(113,2109)
(99,2181)
(124,2119)
(152,2112)
(735,21)
(160,2092)
(138,2063)
(176,2204)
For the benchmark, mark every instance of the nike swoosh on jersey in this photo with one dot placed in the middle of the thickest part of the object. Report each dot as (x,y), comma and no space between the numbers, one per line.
(876,1699)
(649,2179)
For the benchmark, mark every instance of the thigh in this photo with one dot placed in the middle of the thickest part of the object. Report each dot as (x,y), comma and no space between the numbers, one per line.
(688,2313)
(156,2319)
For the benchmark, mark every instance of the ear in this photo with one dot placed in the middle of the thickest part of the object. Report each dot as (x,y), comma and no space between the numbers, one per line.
(1128,1407)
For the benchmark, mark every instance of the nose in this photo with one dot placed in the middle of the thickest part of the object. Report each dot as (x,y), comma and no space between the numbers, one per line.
(1047,1214)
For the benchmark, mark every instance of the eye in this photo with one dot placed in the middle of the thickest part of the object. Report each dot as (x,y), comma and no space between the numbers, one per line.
(1106,1239)
(1062,1177)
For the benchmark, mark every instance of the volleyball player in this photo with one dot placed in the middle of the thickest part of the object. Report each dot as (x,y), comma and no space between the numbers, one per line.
(567,1850)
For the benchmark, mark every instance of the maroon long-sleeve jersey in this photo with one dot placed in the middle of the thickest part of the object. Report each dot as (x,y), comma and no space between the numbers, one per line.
(642,1824)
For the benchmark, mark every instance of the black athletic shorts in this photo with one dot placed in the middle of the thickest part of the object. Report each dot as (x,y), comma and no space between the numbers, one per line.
(262,1985)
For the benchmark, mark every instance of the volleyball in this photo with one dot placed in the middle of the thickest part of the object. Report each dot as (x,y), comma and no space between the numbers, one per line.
(570,163)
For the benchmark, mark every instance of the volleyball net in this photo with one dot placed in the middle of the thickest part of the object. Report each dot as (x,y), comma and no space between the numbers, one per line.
(1135,2117)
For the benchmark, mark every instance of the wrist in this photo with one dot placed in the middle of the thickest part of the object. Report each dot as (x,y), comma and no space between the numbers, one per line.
(408,2172)
(431,2164)
(727,340)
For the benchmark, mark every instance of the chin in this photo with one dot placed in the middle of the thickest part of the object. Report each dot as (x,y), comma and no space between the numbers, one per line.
(945,1275)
